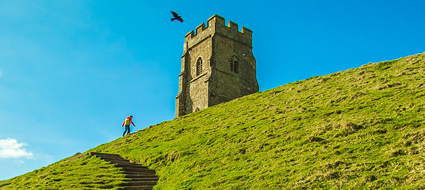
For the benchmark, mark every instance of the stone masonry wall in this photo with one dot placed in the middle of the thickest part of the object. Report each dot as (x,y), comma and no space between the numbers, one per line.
(198,87)
(216,44)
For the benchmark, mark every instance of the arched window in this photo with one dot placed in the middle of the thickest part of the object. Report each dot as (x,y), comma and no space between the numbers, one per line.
(234,67)
(198,67)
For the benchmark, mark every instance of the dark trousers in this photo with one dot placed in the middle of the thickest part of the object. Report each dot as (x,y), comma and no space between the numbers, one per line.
(127,130)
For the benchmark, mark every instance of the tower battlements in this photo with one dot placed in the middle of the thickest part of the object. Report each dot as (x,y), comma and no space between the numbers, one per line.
(217,66)
(216,25)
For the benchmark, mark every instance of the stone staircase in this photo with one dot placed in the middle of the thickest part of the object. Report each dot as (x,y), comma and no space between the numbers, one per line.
(141,177)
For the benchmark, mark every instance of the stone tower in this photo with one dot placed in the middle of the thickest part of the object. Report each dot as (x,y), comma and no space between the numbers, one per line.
(217,66)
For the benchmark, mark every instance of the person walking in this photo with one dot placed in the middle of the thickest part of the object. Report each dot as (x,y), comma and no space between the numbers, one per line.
(127,123)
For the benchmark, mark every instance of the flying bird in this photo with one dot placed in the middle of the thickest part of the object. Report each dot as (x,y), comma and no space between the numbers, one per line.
(176,17)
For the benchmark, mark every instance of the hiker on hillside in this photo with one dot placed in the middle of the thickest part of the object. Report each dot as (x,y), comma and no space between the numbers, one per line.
(127,123)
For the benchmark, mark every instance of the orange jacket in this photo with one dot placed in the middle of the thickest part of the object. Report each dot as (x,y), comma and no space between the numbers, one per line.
(127,121)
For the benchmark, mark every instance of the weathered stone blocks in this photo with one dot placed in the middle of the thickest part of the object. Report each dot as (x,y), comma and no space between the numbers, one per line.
(207,75)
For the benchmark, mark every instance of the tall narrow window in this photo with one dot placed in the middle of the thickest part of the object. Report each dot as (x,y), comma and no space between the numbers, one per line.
(198,67)
(234,64)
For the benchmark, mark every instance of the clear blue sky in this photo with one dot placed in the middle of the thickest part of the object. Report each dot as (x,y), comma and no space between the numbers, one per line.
(71,71)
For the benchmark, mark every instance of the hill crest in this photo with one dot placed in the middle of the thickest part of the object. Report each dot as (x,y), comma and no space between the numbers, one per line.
(360,128)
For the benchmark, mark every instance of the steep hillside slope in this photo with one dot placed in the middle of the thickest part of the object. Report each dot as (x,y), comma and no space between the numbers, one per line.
(79,172)
(360,128)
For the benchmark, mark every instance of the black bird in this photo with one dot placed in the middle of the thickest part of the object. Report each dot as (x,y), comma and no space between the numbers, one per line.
(176,17)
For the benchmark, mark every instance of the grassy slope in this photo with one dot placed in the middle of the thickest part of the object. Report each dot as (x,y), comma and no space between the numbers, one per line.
(360,128)
(84,173)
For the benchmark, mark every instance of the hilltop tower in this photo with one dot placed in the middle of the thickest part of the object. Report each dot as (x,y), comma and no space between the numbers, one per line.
(217,65)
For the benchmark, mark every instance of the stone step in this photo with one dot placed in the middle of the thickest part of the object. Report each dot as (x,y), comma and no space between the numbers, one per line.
(142,170)
(141,173)
(123,165)
(142,187)
(119,162)
(136,171)
(138,175)
(103,154)
(109,157)
(138,183)
(131,176)
(144,178)
(141,177)
(116,159)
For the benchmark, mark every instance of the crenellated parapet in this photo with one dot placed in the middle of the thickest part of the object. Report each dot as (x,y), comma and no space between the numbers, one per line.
(217,65)
(216,26)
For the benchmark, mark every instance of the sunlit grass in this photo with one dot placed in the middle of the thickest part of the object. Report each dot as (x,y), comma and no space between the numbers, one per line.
(362,128)
(84,173)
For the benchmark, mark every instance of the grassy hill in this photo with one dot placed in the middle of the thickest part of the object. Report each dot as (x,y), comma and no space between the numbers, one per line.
(72,173)
(362,128)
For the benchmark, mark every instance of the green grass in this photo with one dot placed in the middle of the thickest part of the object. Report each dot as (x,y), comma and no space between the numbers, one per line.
(362,128)
(83,173)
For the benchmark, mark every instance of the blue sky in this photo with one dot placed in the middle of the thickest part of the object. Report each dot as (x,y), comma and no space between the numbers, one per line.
(71,71)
